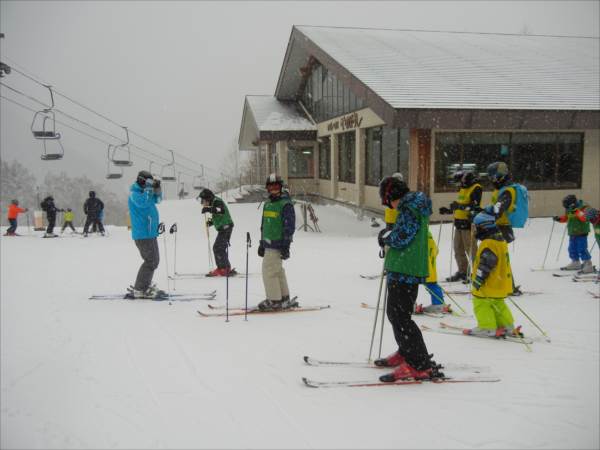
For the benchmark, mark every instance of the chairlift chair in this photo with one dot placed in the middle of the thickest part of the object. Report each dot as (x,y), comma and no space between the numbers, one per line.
(169,176)
(112,175)
(197,183)
(123,148)
(47,131)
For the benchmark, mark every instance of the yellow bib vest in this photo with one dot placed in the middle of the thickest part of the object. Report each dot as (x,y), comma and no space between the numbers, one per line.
(69,216)
(499,282)
(464,199)
(503,219)
(391,215)
(433,252)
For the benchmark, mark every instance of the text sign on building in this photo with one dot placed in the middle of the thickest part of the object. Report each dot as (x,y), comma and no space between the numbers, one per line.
(347,122)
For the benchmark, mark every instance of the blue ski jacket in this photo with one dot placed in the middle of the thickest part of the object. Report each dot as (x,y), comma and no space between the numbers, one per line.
(143,212)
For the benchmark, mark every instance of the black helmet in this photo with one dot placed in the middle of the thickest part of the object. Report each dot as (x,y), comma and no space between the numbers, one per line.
(498,173)
(15,202)
(206,194)
(569,202)
(390,189)
(274,179)
(92,194)
(142,176)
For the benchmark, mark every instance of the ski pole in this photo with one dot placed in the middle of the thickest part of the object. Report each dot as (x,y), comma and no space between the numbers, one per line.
(173,230)
(227,286)
(441,299)
(248,245)
(439,233)
(29,229)
(382,319)
(450,297)
(530,319)
(210,258)
(561,243)
(161,230)
(548,246)
(518,336)
(451,249)
(376,311)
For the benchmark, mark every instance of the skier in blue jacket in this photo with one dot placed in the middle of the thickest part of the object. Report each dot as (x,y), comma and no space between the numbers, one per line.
(144,195)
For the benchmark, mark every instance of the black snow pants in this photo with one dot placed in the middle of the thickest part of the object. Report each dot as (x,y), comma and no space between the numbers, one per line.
(51,223)
(220,248)
(69,224)
(149,252)
(400,305)
(91,219)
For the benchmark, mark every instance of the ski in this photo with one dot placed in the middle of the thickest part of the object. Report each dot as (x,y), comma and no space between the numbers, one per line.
(468,292)
(164,296)
(594,294)
(236,308)
(585,280)
(201,276)
(560,275)
(370,277)
(364,364)
(436,315)
(371,383)
(457,331)
(256,311)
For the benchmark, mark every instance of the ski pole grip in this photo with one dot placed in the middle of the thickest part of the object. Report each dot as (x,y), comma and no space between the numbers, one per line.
(248,241)
(173,228)
(161,228)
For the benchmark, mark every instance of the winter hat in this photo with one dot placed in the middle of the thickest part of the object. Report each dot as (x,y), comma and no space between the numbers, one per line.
(569,202)
(390,189)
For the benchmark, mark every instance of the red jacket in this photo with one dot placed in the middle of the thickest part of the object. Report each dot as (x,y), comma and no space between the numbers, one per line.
(13,211)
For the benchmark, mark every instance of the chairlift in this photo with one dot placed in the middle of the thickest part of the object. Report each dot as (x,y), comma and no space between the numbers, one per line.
(122,148)
(112,175)
(43,127)
(169,176)
(197,183)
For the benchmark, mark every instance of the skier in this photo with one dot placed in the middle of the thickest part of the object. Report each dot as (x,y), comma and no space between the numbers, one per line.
(221,219)
(93,207)
(593,216)
(277,230)
(431,284)
(68,221)
(468,201)
(406,266)
(491,281)
(144,194)
(578,231)
(13,212)
(50,208)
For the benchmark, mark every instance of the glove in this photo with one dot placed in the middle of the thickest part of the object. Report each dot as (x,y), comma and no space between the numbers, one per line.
(285,253)
(556,218)
(477,282)
(156,184)
(444,210)
(206,209)
(209,223)
(261,251)
(380,237)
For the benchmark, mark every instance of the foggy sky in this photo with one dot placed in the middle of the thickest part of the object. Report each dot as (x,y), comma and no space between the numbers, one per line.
(177,72)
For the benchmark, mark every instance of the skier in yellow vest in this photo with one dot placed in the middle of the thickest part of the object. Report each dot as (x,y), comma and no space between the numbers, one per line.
(68,221)
(469,199)
(491,282)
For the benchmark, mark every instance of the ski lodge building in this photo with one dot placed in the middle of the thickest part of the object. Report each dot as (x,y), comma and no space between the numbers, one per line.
(354,105)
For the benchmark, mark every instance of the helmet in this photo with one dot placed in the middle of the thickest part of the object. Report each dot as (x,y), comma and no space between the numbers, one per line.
(457,177)
(468,179)
(274,179)
(92,194)
(591,215)
(569,202)
(484,221)
(498,172)
(15,202)
(206,194)
(398,175)
(390,189)
(142,176)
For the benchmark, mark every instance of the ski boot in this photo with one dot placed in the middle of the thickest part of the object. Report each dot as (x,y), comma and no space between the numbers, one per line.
(218,272)
(287,302)
(393,360)
(269,305)
(513,331)
(586,268)
(407,372)
(573,265)
(433,309)
(458,276)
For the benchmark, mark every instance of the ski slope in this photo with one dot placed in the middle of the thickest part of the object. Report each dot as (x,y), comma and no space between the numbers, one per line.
(79,373)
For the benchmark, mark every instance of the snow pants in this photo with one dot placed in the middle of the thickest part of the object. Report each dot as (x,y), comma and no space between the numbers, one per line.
(437,295)
(220,248)
(462,247)
(492,313)
(13,226)
(578,248)
(69,224)
(400,306)
(149,252)
(51,223)
(95,221)
(273,275)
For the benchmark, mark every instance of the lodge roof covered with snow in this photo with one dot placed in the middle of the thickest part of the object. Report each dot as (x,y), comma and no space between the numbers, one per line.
(410,69)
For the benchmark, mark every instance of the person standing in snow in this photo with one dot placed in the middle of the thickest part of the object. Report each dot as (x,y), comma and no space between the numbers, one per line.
(578,229)
(144,195)
(68,221)
(277,230)
(431,284)
(93,208)
(491,282)
(469,199)
(13,212)
(50,208)
(221,220)
(406,266)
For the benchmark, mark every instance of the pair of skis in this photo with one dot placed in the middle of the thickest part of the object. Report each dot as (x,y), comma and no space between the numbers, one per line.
(578,278)
(474,376)
(218,310)
(459,331)
(161,296)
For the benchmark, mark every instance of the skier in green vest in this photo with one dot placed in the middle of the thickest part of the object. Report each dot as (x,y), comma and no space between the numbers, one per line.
(277,230)
(406,264)
(221,220)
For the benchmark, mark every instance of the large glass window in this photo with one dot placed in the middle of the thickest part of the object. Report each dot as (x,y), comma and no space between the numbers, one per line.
(538,160)
(300,162)
(325,158)
(373,159)
(347,157)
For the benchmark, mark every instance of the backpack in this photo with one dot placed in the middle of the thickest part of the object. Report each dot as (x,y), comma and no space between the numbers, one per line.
(44,205)
(518,217)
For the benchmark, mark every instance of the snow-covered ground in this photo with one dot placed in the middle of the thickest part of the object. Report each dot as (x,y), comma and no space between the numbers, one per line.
(77,373)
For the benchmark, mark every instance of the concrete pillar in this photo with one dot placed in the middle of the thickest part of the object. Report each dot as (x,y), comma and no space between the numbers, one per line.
(282,156)
(334,166)
(360,144)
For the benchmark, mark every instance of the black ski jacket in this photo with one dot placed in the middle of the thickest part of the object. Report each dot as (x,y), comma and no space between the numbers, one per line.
(92,207)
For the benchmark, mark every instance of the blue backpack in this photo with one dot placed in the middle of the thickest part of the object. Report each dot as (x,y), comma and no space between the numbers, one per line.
(519,216)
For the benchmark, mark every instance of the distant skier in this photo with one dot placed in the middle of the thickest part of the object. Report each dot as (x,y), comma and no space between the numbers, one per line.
(469,200)
(277,230)
(50,208)
(93,207)
(68,221)
(578,230)
(13,212)
(221,219)
(491,282)
(144,195)
(406,266)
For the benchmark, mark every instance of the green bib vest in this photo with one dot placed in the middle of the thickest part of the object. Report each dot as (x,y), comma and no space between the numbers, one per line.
(411,260)
(576,227)
(272,221)
(220,220)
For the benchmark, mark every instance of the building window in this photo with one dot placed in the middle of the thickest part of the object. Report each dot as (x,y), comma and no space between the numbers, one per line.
(538,160)
(373,160)
(347,157)
(325,158)
(300,162)
(273,160)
